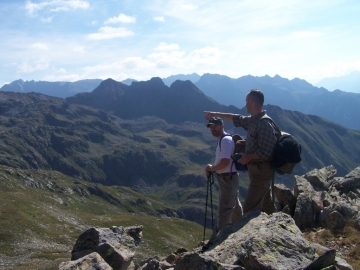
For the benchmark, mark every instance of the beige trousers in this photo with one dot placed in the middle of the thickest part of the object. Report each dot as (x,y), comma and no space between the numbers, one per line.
(230,209)
(259,192)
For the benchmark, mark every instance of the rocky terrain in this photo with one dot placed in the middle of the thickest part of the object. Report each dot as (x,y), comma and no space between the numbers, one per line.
(257,241)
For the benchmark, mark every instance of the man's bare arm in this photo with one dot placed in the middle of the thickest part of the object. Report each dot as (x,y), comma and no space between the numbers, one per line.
(226,116)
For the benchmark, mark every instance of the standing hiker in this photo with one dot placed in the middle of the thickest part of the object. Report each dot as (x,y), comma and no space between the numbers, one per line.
(260,143)
(230,208)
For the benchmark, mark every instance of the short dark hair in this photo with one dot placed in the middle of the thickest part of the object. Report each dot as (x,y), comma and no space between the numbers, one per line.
(257,95)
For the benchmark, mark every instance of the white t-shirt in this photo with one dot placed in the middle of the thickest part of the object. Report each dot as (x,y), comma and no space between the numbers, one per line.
(227,148)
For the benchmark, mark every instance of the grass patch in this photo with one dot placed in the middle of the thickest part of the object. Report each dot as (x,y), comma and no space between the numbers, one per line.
(345,242)
(41,217)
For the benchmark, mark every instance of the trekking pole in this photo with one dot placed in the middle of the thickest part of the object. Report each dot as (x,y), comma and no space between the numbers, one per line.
(210,182)
(272,189)
(207,193)
(211,202)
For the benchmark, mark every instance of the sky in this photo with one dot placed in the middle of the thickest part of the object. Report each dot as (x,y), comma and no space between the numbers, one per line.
(71,40)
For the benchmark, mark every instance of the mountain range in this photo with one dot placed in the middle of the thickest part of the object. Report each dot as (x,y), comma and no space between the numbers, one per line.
(145,134)
(296,94)
(56,89)
(123,154)
(348,83)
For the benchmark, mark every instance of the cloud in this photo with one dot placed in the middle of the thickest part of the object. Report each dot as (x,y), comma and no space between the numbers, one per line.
(122,18)
(189,7)
(40,46)
(108,32)
(159,19)
(79,49)
(205,55)
(47,20)
(63,78)
(167,47)
(55,6)
(130,65)
(27,67)
(306,34)
(167,59)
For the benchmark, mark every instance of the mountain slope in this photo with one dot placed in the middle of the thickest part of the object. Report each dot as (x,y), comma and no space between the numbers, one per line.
(184,102)
(42,213)
(146,134)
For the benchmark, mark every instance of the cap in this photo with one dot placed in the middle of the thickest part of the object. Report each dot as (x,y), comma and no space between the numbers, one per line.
(215,121)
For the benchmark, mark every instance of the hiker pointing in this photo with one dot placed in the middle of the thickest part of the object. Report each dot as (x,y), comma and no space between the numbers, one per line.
(230,209)
(260,143)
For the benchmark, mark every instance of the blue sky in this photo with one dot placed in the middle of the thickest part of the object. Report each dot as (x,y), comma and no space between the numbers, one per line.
(61,40)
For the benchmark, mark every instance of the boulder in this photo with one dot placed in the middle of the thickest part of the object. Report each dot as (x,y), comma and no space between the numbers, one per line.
(154,264)
(302,186)
(285,197)
(325,260)
(257,241)
(93,261)
(116,245)
(202,262)
(350,181)
(321,178)
(304,215)
(341,264)
(335,221)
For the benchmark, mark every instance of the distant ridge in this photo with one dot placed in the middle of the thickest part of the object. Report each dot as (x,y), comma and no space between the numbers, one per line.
(190,77)
(295,94)
(128,81)
(56,89)
(348,83)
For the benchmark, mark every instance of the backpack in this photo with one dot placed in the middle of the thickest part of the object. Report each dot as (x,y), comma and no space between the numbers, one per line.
(287,150)
(239,147)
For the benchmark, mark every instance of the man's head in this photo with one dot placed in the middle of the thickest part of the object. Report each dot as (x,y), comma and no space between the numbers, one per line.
(216,126)
(254,101)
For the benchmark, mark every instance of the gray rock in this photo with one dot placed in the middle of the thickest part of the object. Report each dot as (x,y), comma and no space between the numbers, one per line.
(321,178)
(287,210)
(154,264)
(335,221)
(302,186)
(82,192)
(285,197)
(93,261)
(325,260)
(350,181)
(341,264)
(196,261)
(346,209)
(116,245)
(304,215)
(260,241)
(352,196)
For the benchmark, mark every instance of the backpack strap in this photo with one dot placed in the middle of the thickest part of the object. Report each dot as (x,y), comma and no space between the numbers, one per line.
(273,124)
(225,134)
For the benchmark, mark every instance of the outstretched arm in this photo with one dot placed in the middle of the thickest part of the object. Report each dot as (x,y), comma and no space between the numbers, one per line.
(226,116)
